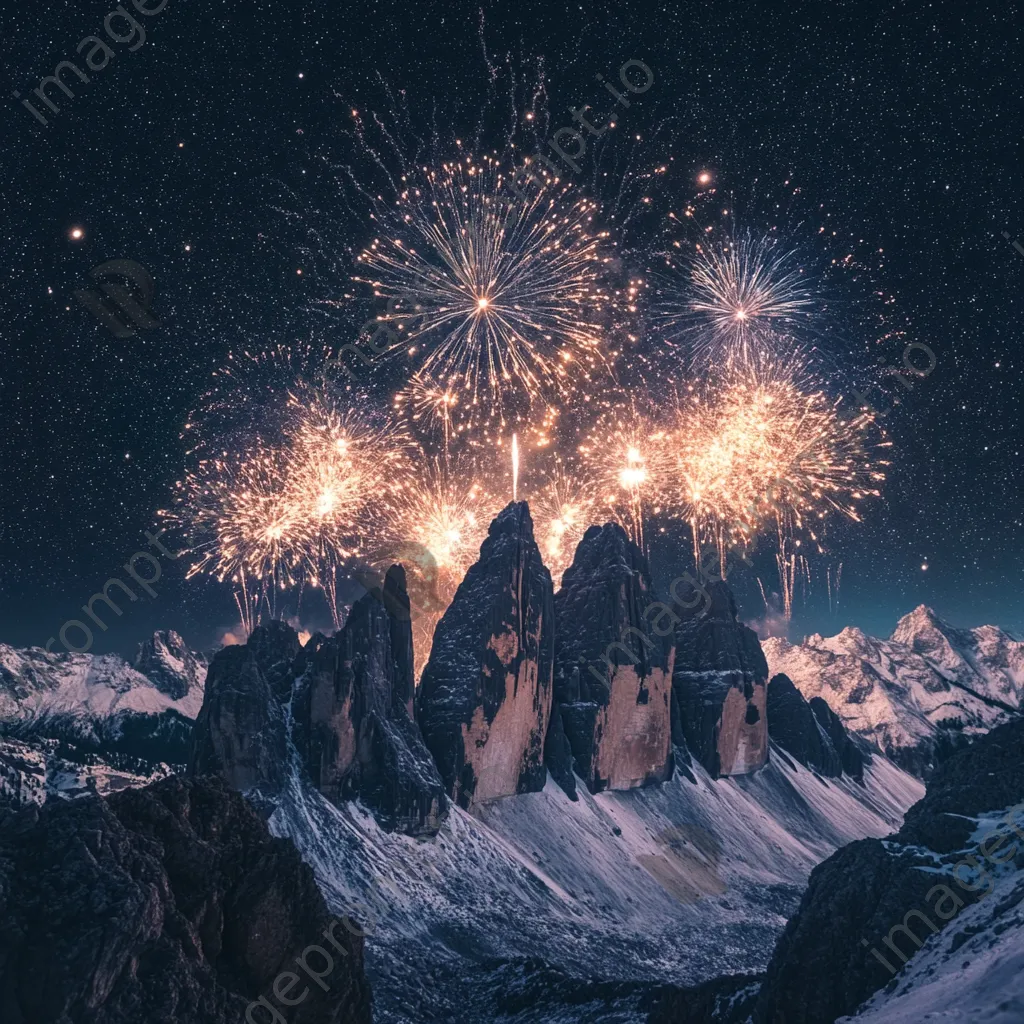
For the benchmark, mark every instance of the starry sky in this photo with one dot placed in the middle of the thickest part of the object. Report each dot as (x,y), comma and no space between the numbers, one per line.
(901,123)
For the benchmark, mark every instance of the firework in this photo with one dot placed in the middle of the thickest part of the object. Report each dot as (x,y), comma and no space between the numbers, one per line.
(768,449)
(440,520)
(627,454)
(742,296)
(294,504)
(501,298)
(562,509)
(346,473)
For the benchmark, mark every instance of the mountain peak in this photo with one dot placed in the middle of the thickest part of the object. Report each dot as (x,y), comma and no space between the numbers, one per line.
(921,618)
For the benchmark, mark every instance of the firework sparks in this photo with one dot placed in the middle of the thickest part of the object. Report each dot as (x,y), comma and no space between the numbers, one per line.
(627,455)
(742,295)
(441,520)
(296,505)
(769,448)
(500,297)
(562,508)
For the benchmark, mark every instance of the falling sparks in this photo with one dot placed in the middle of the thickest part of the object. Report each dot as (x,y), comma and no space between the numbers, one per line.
(768,449)
(562,509)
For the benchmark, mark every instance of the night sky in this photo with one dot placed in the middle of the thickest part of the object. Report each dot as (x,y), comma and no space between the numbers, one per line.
(201,153)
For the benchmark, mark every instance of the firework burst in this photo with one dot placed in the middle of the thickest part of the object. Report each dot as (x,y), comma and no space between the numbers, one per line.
(627,455)
(563,507)
(741,296)
(769,449)
(294,504)
(501,297)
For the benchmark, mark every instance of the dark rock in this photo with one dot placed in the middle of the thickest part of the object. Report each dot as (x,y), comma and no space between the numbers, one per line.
(165,905)
(348,702)
(485,695)
(558,755)
(240,732)
(853,752)
(353,729)
(613,664)
(726,1000)
(720,672)
(873,904)
(795,727)
(167,662)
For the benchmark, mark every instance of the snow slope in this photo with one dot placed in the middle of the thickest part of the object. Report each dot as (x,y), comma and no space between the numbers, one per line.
(970,972)
(677,882)
(916,694)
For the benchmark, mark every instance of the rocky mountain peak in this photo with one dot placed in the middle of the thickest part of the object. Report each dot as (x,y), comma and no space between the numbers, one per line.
(167,662)
(921,619)
(613,667)
(719,684)
(485,695)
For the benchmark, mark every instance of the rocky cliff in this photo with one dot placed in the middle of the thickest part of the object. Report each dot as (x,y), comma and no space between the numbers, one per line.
(719,684)
(613,666)
(171,903)
(811,732)
(485,695)
(340,703)
(351,710)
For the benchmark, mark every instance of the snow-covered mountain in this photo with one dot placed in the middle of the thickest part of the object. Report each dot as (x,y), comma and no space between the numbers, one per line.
(677,882)
(917,695)
(71,722)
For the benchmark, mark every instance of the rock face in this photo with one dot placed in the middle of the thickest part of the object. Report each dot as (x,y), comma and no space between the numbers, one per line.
(871,905)
(719,683)
(241,733)
(167,662)
(794,727)
(918,696)
(485,695)
(853,752)
(353,728)
(170,903)
(347,720)
(613,672)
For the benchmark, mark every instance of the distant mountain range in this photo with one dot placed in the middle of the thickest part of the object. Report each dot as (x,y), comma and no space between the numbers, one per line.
(70,723)
(917,696)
